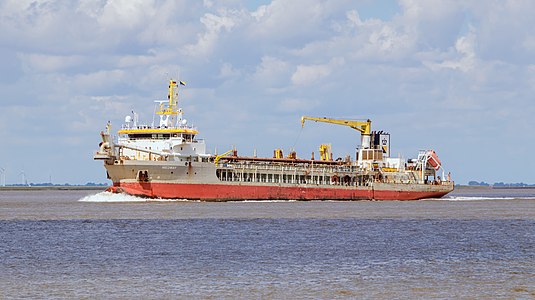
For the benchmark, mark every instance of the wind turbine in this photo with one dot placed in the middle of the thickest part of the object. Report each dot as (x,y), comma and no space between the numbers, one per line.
(24,179)
(3,176)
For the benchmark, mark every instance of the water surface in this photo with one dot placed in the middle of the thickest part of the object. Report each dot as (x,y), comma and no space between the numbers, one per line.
(477,243)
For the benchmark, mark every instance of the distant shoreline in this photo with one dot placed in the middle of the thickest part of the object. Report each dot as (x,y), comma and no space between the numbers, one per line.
(490,187)
(52,187)
(513,187)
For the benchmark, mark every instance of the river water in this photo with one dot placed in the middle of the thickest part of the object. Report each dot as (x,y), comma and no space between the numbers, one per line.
(473,244)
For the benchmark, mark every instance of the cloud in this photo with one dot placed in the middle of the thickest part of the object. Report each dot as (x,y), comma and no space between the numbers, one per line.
(297,105)
(206,41)
(465,55)
(43,63)
(228,71)
(439,73)
(307,75)
(127,14)
(272,71)
(288,19)
(387,39)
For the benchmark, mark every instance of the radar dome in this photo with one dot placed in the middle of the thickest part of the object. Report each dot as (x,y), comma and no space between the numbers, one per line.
(127,119)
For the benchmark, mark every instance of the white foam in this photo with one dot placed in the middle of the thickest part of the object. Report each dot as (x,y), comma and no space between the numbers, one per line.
(474,198)
(108,197)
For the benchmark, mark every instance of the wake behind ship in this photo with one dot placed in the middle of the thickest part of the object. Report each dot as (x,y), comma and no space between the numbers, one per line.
(168,161)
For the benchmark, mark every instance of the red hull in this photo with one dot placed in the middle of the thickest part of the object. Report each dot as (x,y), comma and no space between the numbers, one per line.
(225,192)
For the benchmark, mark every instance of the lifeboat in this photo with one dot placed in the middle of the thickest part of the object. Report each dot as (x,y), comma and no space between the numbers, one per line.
(432,159)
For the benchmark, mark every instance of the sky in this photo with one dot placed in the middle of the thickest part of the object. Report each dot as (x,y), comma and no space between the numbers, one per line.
(454,76)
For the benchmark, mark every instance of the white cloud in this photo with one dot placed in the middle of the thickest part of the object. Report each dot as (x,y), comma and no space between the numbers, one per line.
(465,55)
(207,41)
(307,75)
(271,71)
(126,13)
(294,22)
(297,105)
(388,40)
(228,71)
(354,18)
(468,62)
(287,18)
(49,63)
(91,8)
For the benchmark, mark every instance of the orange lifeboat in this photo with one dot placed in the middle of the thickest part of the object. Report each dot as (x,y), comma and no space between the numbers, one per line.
(432,159)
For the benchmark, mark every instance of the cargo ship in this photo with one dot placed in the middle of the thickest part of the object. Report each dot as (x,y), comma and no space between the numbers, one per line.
(167,160)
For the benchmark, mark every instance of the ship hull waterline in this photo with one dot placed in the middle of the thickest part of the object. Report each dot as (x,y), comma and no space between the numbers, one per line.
(236,192)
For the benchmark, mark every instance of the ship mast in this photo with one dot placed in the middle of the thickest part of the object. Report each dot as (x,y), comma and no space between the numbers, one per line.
(171,114)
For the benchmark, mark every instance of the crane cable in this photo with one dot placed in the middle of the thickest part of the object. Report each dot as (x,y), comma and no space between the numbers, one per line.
(297,139)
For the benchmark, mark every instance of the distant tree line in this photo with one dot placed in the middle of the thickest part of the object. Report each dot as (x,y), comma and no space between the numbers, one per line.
(500,184)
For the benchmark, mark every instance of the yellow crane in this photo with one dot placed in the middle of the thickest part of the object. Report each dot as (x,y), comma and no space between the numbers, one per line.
(218,157)
(325,152)
(364,127)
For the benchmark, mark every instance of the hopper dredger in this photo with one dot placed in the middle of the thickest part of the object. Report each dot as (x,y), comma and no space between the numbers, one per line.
(167,160)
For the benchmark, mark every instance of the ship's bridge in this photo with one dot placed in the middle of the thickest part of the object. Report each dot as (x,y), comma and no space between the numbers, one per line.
(149,143)
(187,134)
(170,139)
